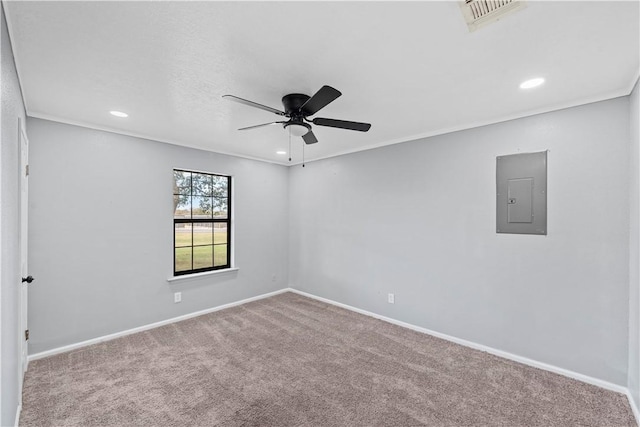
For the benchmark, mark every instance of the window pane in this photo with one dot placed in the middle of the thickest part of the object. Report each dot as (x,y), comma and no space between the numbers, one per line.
(183,259)
(201,207)
(220,233)
(220,207)
(220,186)
(220,255)
(202,199)
(182,235)
(181,206)
(181,182)
(201,184)
(202,233)
(202,257)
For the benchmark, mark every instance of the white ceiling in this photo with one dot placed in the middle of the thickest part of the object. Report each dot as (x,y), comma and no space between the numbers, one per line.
(411,69)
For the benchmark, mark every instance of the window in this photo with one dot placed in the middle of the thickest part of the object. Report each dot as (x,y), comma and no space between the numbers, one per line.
(201,222)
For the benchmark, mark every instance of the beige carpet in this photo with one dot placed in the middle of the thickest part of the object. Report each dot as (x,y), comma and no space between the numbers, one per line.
(292,361)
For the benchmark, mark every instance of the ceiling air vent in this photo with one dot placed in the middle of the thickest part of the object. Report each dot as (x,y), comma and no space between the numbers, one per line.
(479,13)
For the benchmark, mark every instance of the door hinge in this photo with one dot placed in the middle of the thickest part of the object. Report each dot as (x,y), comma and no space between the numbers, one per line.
(26,170)
(26,335)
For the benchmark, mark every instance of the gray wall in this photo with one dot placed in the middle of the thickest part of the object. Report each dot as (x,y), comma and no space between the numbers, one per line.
(12,110)
(418,220)
(634,250)
(101,232)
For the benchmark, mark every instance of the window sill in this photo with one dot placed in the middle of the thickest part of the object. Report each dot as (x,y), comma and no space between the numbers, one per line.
(199,275)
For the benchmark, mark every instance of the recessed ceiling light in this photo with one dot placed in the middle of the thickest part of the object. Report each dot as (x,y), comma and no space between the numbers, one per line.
(281,152)
(531,83)
(118,114)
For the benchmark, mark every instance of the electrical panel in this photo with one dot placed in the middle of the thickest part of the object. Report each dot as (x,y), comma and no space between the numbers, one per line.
(521,187)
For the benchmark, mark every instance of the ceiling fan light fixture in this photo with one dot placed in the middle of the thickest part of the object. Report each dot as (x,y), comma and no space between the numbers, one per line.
(298,129)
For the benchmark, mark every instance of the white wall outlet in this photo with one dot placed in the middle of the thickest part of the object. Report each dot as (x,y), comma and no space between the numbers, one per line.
(391,299)
(177,297)
(273,278)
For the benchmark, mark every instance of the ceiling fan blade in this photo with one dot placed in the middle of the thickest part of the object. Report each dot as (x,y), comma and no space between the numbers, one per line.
(321,99)
(342,124)
(309,138)
(253,104)
(259,126)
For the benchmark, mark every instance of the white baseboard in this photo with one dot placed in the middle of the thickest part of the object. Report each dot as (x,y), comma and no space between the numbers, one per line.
(18,412)
(110,337)
(526,361)
(634,408)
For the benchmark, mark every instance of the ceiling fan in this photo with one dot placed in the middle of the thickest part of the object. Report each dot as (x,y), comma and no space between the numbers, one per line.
(298,107)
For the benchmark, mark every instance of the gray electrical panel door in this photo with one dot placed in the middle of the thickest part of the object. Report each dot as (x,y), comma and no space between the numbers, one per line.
(521,184)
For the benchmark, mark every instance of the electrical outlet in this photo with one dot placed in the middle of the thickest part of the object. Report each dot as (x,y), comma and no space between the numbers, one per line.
(177,297)
(391,299)
(273,278)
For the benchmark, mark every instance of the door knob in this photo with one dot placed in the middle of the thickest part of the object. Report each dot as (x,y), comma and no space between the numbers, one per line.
(27,279)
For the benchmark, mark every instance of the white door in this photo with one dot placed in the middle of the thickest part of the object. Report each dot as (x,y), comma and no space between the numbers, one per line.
(24,204)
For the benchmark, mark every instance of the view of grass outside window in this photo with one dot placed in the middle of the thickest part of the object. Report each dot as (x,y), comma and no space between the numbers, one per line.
(201,204)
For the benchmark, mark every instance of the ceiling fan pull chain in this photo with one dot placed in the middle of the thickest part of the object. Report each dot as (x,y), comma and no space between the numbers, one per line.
(303,144)
(289,144)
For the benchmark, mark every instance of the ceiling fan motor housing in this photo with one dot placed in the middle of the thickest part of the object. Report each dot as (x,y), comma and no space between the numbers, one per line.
(293,102)
(292,107)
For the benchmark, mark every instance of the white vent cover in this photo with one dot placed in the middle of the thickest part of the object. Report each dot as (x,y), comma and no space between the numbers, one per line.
(478,13)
